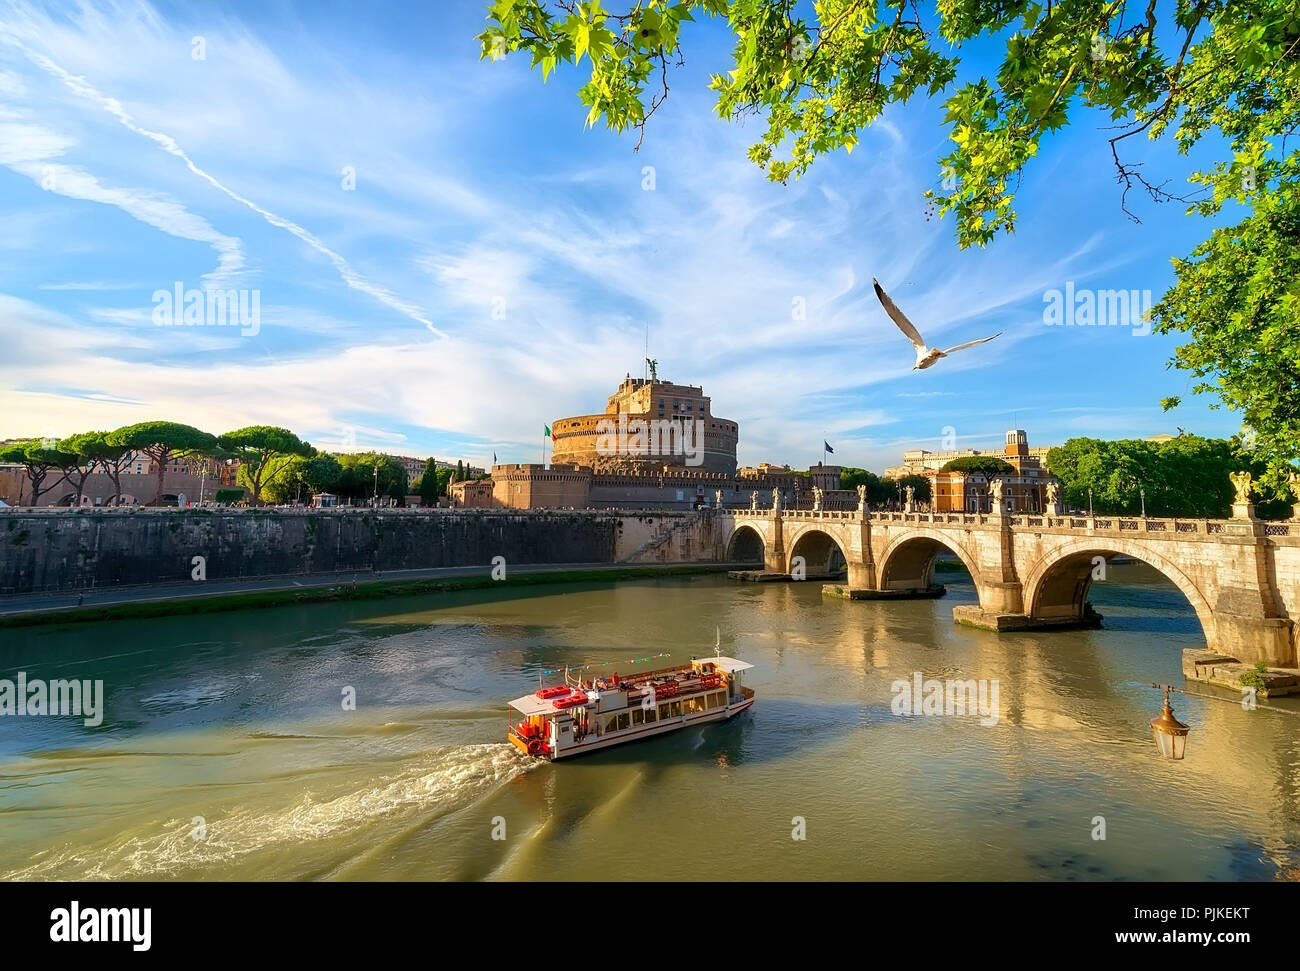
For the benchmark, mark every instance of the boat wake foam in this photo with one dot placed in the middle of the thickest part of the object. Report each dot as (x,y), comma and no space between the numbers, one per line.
(440,782)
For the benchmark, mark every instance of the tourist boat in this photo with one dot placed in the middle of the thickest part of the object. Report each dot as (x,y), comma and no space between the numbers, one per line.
(583,716)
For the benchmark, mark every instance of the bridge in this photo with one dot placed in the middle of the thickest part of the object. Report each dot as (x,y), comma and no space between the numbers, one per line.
(1241,575)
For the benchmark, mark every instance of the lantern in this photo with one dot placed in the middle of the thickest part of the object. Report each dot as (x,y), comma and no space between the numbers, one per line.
(1169,733)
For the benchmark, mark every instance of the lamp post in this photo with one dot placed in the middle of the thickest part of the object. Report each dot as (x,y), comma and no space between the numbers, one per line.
(1143,493)
(375,498)
(1089,502)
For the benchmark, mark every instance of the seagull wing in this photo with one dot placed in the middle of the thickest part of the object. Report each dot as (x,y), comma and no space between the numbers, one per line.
(960,347)
(900,318)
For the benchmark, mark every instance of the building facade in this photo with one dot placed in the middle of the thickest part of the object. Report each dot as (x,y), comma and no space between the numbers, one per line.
(920,461)
(1023,490)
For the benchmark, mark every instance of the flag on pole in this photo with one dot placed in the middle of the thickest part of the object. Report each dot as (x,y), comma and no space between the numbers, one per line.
(494,458)
(547,432)
(827,445)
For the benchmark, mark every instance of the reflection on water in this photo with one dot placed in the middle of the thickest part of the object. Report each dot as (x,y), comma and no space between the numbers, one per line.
(231,728)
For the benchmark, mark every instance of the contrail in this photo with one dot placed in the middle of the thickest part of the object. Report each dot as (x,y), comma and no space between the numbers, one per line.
(350,276)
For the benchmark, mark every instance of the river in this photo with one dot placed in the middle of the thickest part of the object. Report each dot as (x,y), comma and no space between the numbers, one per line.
(226,752)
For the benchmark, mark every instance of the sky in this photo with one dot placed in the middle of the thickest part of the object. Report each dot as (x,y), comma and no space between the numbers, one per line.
(445,259)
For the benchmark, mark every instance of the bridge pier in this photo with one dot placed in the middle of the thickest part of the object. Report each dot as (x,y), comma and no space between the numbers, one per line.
(1253,639)
(971,615)
(848,591)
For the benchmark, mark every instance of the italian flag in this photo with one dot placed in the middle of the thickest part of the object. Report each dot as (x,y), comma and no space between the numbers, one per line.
(546,433)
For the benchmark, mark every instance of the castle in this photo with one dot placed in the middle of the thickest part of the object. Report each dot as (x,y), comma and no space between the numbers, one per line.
(658,445)
(648,424)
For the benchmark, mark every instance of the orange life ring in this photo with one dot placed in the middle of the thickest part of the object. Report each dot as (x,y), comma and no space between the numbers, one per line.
(535,746)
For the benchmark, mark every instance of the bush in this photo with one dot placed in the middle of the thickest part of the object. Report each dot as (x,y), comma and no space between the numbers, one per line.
(229,495)
(1255,678)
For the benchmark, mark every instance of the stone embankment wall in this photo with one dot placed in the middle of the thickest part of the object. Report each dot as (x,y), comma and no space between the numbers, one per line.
(73,550)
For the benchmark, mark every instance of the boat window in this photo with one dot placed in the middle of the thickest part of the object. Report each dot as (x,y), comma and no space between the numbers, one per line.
(651,715)
(624,720)
(611,723)
(675,709)
(663,711)
(638,716)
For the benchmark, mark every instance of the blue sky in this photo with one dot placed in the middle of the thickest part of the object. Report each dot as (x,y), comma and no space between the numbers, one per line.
(127,165)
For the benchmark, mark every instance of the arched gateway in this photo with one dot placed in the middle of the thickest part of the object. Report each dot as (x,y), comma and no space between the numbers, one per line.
(1241,576)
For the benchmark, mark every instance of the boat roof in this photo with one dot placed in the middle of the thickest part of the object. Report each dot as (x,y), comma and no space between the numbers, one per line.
(533,705)
(728,664)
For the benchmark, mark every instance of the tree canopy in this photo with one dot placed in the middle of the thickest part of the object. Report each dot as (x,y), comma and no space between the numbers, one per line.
(265,452)
(162,441)
(1183,476)
(988,466)
(39,458)
(1191,68)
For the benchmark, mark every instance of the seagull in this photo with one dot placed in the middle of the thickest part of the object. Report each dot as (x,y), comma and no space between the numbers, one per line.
(925,356)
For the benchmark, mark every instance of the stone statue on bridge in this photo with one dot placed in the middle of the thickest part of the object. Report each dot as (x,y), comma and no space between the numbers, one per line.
(717,497)
(1241,482)
(753,502)
(1241,504)
(1293,481)
(776,500)
(817,498)
(910,493)
(862,498)
(995,494)
(1054,506)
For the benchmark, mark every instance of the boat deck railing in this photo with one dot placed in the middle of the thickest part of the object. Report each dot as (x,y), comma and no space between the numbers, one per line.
(574,681)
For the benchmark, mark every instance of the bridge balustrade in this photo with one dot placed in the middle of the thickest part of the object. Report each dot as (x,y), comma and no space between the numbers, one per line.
(1140,524)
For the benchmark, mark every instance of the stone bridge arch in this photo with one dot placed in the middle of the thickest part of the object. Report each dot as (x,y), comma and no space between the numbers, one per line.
(907,562)
(822,548)
(1056,587)
(746,544)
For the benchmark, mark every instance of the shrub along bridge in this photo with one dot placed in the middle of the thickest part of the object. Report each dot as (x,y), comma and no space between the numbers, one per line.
(1241,575)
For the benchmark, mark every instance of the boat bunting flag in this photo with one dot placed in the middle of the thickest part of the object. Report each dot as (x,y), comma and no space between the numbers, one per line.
(605,664)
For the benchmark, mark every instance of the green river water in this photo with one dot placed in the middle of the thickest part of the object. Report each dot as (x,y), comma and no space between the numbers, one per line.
(225,752)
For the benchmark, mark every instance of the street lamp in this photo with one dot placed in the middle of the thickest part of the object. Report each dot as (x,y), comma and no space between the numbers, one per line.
(375,498)
(1089,502)
(1169,733)
(1143,493)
